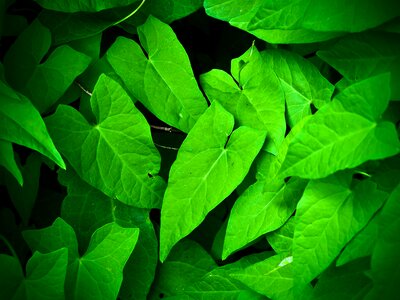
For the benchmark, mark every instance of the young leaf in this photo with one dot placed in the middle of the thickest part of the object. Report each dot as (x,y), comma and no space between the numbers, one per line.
(331,211)
(23,125)
(45,276)
(365,55)
(256,100)
(117,154)
(346,132)
(263,208)
(278,19)
(87,209)
(163,81)
(7,161)
(301,81)
(211,163)
(72,6)
(385,260)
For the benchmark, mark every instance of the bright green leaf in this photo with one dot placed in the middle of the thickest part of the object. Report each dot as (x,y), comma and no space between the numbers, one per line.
(279,19)
(116,155)
(72,6)
(22,124)
(331,211)
(7,161)
(263,208)
(301,81)
(211,163)
(256,100)
(162,79)
(345,133)
(364,55)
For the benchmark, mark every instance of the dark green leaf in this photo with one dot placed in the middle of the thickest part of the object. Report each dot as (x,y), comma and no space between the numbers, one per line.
(7,160)
(71,6)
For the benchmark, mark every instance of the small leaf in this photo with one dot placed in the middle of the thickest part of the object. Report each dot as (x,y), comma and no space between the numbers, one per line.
(281,240)
(116,154)
(263,208)
(7,161)
(257,99)
(22,124)
(163,81)
(211,163)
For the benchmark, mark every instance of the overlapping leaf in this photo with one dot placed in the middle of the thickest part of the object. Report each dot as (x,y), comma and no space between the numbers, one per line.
(71,6)
(116,155)
(7,160)
(344,133)
(253,95)
(211,163)
(109,249)
(162,79)
(331,211)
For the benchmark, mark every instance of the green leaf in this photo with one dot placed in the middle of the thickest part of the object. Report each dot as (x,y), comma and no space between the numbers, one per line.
(109,249)
(51,79)
(24,197)
(323,16)
(162,79)
(187,263)
(7,161)
(331,211)
(272,277)
(87,209)
(72,6)
(45,276)
(116,155)
(22,124)
(263,208)
(346,132)
(25,54)
(43,83)
(279,19)
(364,55)
(103,262)
(281,240)
(347,282)
(385,260)
(256,100)
(301,81)
(211,163)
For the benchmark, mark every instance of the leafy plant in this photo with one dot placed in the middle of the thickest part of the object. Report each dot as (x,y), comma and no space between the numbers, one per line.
(199,149)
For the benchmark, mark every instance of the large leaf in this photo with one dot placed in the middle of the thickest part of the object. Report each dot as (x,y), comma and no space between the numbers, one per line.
(109,249)
(22,124)
(162,79)
(264,207)
(301,81)
(86,209)
(71,6)
(279,19)
(211,163)
(43,83)
(364,55)
(45,276)
(332,16)
(345,133)
(117,154)
(331,211)
(253,95)
(385,262)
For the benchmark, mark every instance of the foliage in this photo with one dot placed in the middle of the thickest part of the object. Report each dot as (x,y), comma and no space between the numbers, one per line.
(199,149)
